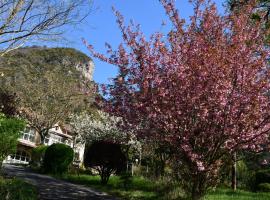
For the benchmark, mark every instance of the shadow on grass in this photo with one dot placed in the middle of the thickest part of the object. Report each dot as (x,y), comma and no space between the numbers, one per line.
(138,187)
(142,189)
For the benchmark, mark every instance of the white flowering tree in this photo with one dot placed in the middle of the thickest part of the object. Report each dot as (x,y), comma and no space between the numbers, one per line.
(96,126)
(99,126)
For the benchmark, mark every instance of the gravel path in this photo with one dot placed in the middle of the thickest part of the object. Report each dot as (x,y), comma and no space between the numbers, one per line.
(50,188)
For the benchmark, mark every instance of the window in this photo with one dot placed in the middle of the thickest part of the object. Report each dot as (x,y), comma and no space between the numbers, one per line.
(53,137)
(28,134)
(76,156)
(69,142)
(20,157)
(56,139)
(47,139)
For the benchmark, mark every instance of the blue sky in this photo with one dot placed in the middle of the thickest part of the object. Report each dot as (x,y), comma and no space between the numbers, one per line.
(100,26)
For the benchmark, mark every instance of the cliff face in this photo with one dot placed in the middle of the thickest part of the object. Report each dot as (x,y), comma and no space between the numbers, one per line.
(42,58)
(87,69)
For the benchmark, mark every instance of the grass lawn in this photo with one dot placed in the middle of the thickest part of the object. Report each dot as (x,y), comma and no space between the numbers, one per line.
(16,189)
(138,189)
(143,189)
(227,194)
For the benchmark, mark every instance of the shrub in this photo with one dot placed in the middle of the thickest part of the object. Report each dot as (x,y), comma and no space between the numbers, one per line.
(105,157)
(16,189)
(9,133)
(126,180)
(57,158)
(37,157)
(245,176)
(262,176)
(264,187)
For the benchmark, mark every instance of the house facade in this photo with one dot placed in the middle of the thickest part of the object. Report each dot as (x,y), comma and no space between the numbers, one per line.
(30,139)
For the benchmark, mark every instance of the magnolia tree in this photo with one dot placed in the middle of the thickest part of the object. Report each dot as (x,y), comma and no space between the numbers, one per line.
(202,88)
(101,126)
(96,126)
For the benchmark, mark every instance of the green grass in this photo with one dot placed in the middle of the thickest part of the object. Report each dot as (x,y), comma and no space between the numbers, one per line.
(139,188)
(227,194)
(143,189)
(16,189)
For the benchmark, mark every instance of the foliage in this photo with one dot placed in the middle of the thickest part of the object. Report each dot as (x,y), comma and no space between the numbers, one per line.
(43,56)
(57,158)
(97,126)
(16,189)
(260,13)
(201,88)
(105,157)
(242,173)
(264,187)
(50,83)
(156,159)
(10,129)
(8,103)
(37,156)
(262,176)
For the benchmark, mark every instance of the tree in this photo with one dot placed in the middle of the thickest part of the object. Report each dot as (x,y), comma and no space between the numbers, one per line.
(8,103)
(25,20)
(101,126)
(50,84)
(10,129)
(261,11)
(203,88)
(105,157)
(97,126)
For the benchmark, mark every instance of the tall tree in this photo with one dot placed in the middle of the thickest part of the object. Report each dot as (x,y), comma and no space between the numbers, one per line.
(101,126)
(50,83)
(25,20)
(202,88)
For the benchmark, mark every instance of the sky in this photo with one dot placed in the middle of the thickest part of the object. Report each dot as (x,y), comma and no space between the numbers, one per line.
(100,27)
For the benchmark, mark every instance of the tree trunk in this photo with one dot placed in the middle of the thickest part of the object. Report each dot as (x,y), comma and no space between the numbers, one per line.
(198,188)
(196,194)
(234,183)
(104,178)
(1,165)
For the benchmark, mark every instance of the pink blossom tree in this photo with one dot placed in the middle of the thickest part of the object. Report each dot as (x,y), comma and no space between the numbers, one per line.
(202,88)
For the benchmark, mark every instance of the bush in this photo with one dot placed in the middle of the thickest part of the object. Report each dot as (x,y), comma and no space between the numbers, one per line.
(262,176)
(10,129)
(264,187)
(57,158)
(37,157)
(15,189)
(126,180)
(105,157)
